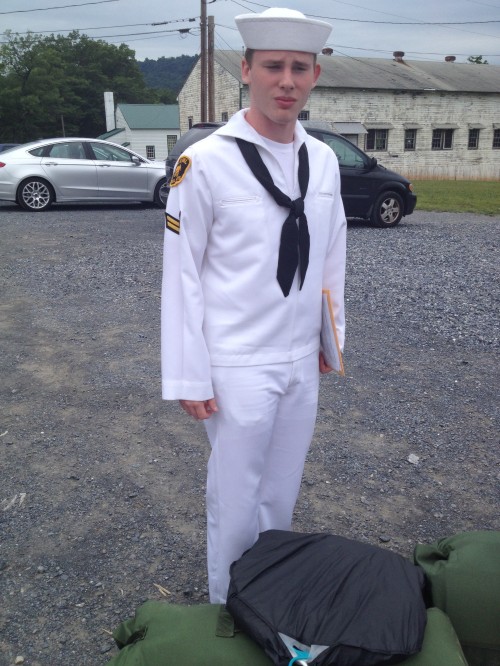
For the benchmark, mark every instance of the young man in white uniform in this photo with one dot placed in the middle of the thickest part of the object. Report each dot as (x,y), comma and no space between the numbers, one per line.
(241,323)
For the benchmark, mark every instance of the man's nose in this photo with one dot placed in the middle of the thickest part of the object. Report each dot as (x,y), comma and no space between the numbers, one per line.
(287,80)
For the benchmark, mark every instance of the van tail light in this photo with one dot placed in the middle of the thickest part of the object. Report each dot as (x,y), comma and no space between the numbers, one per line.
(2,164)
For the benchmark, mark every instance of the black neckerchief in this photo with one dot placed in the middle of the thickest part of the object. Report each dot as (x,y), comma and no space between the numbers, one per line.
(294,244)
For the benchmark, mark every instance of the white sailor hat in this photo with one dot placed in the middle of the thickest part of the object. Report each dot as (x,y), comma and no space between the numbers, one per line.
(278,29)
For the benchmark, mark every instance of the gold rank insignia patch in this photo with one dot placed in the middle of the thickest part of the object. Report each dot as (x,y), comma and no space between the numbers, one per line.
(181,169)
(172,223)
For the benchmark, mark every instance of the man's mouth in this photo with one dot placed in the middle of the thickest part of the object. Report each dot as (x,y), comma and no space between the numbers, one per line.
(285,102)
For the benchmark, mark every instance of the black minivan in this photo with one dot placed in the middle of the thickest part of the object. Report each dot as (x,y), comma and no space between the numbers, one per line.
(369,190)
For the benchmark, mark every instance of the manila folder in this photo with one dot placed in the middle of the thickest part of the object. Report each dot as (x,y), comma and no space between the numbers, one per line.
(329,339)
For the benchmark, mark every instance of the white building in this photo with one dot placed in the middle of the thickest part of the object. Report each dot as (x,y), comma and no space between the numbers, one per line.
(149,129)
(422,119)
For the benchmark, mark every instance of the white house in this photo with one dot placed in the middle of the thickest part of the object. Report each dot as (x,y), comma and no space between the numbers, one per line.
(149,129)
(422,119)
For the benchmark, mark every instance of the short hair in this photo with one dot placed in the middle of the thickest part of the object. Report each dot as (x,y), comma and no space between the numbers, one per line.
(249,56)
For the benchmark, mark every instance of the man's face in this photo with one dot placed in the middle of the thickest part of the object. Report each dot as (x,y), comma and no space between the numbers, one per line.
(280,83)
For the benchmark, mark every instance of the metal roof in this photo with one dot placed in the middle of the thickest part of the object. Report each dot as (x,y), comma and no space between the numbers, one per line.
(389,74)
(350,128)
(151,116)
(111,133)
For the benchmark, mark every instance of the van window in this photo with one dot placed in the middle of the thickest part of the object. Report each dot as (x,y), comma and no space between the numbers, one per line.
(347,155)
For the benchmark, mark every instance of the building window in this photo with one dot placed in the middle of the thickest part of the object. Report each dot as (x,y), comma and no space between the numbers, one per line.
(496,138)
(376,139)
(442,139)
(150,152)
(224,116)
(190,121)
(473,139)
(410,139)
(171,141)
(304,115)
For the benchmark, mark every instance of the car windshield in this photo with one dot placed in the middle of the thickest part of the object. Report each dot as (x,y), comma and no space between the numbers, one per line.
(346,154)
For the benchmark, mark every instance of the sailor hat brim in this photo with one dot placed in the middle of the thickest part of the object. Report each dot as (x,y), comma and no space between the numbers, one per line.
(282,30)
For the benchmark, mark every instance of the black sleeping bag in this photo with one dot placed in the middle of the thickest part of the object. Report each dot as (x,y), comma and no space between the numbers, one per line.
(328,599)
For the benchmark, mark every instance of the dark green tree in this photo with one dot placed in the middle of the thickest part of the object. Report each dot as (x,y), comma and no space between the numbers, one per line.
(47,83)
(164,96)
(167,73)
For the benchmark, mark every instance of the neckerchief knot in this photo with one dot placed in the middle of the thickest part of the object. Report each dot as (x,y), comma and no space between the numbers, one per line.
(297,207)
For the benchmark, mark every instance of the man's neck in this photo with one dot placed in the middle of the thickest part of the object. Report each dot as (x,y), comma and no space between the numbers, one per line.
(281,133)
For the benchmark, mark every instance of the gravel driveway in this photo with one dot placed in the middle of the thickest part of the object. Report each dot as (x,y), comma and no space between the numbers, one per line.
(102,483)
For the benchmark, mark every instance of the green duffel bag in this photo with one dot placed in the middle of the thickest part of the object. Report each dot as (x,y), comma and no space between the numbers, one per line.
(441,646)
(464,576)
(163,634)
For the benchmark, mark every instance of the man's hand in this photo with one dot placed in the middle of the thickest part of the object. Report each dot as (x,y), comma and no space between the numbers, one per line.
(323,367)
(199,409)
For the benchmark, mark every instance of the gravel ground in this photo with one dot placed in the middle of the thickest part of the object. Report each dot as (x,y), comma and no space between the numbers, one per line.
(102,483)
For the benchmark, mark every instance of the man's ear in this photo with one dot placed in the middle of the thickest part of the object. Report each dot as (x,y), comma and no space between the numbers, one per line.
(317,72)
(245,71)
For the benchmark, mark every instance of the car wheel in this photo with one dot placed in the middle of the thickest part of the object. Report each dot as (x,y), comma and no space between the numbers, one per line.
(35,194)
(388,210)
(161,193)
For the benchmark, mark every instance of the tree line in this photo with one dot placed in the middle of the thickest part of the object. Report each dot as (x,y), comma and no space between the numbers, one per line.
(53,86)
(173,71)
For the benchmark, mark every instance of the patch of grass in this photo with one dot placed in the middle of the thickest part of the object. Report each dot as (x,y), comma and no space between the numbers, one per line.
(458,196)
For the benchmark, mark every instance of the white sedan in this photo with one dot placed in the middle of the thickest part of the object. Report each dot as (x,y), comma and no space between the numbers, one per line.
(37,174)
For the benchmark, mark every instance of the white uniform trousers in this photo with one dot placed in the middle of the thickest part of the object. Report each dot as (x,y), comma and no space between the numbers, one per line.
(259,441)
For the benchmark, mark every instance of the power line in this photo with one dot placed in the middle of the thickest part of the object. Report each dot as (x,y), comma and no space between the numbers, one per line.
(108,27)
(133,34)
(486,4)
(359,48)
(140,35)
(373,50)
(229,47)
(46,9)
(191,33)
(378,11)
(413,23)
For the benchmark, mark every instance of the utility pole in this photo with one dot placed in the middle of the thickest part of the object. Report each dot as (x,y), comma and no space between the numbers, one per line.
(203,51)
(211,81)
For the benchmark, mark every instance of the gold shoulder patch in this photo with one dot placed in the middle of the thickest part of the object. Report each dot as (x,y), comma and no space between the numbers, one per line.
(181,169)
(173,223)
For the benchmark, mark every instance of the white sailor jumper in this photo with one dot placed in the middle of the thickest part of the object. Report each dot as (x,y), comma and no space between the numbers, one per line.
(228,331)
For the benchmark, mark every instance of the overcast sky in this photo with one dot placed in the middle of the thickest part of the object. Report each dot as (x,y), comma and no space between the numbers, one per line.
(423,29)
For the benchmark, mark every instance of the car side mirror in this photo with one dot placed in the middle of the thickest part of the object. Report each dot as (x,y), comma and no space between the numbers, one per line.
(136,160)
(372,163)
